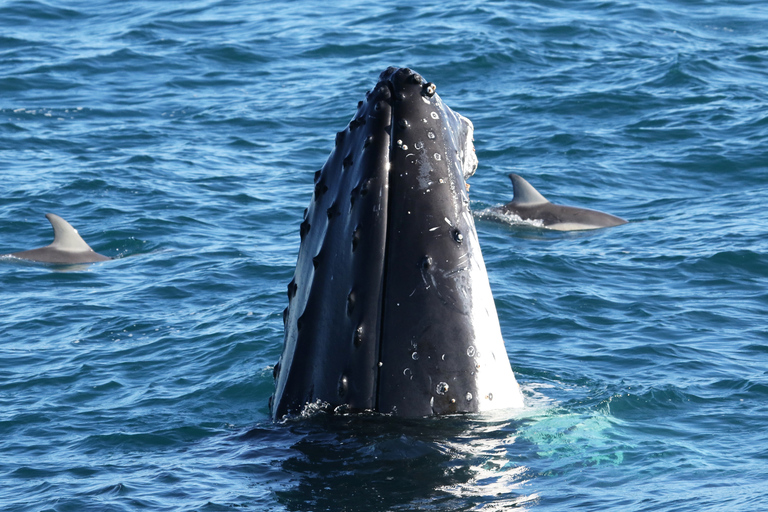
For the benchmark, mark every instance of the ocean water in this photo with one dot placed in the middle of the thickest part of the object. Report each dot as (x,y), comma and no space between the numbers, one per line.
(182,138)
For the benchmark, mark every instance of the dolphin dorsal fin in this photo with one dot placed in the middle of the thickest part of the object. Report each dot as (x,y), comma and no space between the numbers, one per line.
(65,237)
(525,194)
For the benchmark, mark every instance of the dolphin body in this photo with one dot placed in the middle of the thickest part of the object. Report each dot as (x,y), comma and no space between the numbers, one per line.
(390,308)
(68,247)
(529,204)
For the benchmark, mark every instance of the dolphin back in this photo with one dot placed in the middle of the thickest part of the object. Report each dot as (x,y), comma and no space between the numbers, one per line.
(67,247)
(529,205)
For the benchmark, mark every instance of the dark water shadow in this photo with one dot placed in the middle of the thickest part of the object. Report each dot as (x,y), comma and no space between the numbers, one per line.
(378,463)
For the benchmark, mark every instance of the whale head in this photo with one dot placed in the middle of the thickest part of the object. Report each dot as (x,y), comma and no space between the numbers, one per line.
(390,308)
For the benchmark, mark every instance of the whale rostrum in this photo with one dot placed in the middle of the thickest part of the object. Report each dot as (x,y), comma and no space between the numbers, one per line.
(67,248)
(529,205)
(390,308)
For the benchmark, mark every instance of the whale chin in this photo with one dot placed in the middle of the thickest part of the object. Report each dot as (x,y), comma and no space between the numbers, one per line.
(390,309)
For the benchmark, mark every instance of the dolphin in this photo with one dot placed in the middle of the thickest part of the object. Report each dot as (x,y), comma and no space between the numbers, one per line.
(390,309)
(68,247)
(529,204)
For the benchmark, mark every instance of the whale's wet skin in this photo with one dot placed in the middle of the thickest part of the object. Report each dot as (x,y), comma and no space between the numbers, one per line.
(390,308)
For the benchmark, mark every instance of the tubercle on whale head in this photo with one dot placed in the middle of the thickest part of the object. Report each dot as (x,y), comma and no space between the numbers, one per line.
(403,83)
(395,85)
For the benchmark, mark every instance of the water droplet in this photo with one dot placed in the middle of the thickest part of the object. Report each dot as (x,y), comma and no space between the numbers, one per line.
(434,115)
(437,156)
(442,388)
(490,396)
(343,385)
(418,145)
(431,135)
(471,351)
(469,397)
(415,356)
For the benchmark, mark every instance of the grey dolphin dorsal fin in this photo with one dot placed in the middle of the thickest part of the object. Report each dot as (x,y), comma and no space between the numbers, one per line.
(65,237)
(524,192)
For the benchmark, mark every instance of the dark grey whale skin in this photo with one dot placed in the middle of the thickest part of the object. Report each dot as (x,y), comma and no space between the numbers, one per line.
(380,306)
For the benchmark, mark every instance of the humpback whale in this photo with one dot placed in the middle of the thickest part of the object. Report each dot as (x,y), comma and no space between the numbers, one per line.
(68,247)
(529,204)
(390,309)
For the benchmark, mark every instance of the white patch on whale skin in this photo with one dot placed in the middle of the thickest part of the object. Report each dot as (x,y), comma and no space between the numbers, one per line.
(497,387)
(468,156)
(425,168)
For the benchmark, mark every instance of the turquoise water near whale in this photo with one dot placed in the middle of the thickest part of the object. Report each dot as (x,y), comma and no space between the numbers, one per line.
(182,138)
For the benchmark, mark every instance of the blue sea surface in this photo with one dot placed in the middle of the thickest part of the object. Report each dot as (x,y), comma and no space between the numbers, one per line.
(181,138)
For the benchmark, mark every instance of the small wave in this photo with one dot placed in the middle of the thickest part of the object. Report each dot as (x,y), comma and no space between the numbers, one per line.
(509,218)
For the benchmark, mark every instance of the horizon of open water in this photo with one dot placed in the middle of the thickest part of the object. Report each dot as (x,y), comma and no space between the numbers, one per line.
(182,139)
